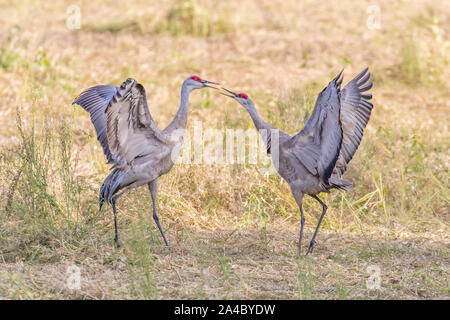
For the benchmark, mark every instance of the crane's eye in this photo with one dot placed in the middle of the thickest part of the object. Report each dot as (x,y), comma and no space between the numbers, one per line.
(242,95)
(196,78)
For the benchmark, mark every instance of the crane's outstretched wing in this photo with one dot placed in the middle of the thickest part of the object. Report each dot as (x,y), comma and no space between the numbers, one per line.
(131,131)
(95,100)
(355,113)
(317,145)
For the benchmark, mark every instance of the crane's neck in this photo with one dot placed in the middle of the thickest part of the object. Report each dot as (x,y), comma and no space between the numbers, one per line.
(180,120)
(264,129)
(257,120)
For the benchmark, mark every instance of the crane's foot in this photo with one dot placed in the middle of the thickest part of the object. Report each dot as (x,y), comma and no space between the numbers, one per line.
(165,240)
(311,247)
(155,217)
(116,241)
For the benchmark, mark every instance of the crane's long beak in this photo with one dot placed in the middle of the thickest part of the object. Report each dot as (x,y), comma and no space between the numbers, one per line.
(205,83)
(232,95)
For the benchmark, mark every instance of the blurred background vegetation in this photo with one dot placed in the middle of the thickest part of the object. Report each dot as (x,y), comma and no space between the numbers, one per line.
(233,232)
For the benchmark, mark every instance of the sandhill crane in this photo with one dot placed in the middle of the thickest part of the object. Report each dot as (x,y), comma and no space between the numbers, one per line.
(314,160)
(139,151)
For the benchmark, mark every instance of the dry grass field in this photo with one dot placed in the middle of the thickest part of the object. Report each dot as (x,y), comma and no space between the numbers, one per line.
(232,231)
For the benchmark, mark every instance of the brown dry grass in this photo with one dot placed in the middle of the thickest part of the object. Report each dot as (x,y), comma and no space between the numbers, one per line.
(232,231)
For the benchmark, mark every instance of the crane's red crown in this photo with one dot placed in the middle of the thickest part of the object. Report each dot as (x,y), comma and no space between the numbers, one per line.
(196,78)
(242,95)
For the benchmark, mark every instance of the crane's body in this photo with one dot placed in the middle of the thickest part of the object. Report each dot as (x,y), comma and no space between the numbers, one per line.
(132,142)
(314,160)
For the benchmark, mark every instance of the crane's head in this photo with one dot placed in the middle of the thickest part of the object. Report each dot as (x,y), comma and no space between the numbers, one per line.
(195,82)
(242,98)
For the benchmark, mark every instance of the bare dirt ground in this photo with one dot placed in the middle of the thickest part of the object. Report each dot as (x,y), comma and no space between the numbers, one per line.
(232,231)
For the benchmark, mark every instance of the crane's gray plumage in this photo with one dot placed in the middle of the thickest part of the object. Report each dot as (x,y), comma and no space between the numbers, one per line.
(314,160)
(132,142)
(95,100)
(355,113)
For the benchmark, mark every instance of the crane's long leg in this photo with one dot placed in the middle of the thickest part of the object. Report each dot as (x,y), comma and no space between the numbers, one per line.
(313,239)
(298,196)
(153,187)
(302,224)
(113,203)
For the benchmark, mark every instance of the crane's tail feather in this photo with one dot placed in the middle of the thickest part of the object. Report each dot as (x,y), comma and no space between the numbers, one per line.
(110,186)
(340,184)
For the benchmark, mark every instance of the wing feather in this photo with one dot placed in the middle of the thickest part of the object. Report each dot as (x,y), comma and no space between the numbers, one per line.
(355,113)
(122,120)
(131,131)
(318,144)
(95,100)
